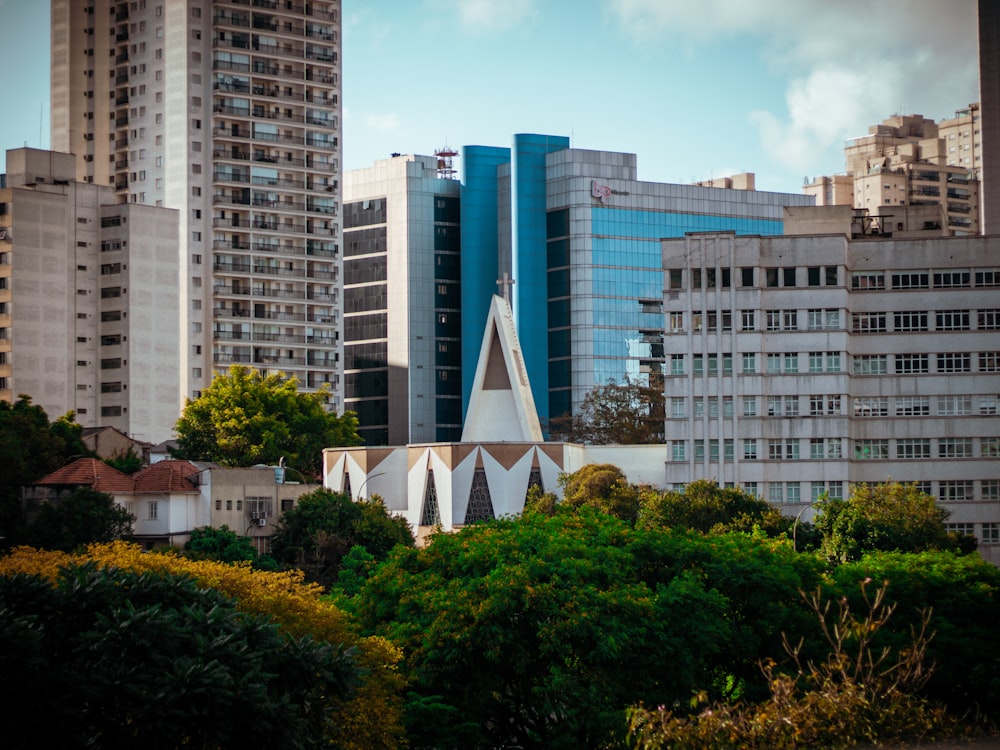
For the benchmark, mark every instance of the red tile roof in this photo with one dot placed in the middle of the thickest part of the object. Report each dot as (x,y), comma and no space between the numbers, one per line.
(89,472)
(166,476)
(161,477)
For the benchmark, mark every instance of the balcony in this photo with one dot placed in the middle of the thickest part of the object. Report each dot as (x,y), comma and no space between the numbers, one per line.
(231,290)
(225,267)
(279,315)
(278,205)
(273,359)
(221,358)
(263,291)
(227,312)
(319,275)
(232,154)
(320,76)
(231,200)
(227,65)
(322,296)
(272,270)
(276,249)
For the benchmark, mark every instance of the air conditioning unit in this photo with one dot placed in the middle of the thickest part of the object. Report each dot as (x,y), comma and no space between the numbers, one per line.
(262,522)
(255,516)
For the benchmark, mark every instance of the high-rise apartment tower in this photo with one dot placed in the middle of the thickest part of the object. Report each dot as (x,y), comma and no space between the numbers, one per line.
(229,112)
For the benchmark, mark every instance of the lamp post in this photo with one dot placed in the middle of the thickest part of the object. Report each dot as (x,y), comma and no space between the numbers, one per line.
(370,476)
(795,524)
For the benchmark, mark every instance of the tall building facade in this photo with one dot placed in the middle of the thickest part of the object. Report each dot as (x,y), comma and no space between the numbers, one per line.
(229,112)
(402,301)
(578,235)
(88,301)
(798,365)
(910,160)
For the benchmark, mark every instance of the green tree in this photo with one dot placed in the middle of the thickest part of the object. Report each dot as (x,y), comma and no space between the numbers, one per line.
(321,529)
(220,543)
(601,486)
(623,413)
(152,660)
(885,517)
(539,631)
(30,448)
(704,506)
(82,517)
(244,418)
(126,461)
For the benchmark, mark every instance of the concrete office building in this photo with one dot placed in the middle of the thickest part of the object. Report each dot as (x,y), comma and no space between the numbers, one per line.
(578,234)
(402,301)
(228,112)
(88,301)
(799,365)
(909,160)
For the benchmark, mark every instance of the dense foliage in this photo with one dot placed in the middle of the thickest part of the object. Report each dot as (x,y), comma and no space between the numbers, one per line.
(320,530)
(541,631)
(30,447)
(883,517)
(622,413)
(223,544)
(244,418)
(365,717)
(80,517)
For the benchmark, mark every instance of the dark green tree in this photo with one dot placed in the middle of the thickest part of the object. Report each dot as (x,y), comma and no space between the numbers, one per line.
(706,507)
(244,418)
(616,413)
(153,661)
(601,486)
(220,543)
(30,448)
(81,517)
(323,526)
(126,461)
(540,631)
(882,517)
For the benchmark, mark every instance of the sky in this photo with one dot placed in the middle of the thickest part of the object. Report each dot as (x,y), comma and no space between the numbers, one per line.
(695,88)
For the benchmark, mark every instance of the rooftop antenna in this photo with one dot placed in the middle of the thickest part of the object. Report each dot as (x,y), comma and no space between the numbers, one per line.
(445,168)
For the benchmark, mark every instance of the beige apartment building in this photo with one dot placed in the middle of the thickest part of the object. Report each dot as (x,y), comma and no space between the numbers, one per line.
(909,160)
(88,302)
(833,358)
(229,112)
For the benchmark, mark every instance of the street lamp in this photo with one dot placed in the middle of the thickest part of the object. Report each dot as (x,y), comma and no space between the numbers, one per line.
(370,476)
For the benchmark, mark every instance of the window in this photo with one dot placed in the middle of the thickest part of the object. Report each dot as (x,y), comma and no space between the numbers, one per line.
(870,364)
(871,450)
(698,364)
(954,406)
(152,510)
(749,449)
(870,322)
(677,450)
(988,404)
(952,320)
(913,280)
(988,278)
(955,448)
(991,533)
(968,529)
(863,281)
(791,362)
(951,279)
(817,448)
(676,364)
(989,361)
(822,276)
(877,406)
(772,320)
(989,447)
(749,406)
(910,321)
(913,448)
(955,491)
(991,489)
(823,320)
(783,449)
(820,405)
(988,320)
(677,408)
(954,362)
(748,320)
(912,406)
(746,276)
(749,363)
(910,364)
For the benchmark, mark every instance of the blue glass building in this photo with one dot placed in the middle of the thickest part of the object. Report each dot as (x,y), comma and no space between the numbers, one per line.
(580,236)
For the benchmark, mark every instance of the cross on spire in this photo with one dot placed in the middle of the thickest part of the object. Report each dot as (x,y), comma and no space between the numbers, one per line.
(505,283)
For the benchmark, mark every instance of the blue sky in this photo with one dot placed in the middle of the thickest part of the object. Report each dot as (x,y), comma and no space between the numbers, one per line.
(696,89)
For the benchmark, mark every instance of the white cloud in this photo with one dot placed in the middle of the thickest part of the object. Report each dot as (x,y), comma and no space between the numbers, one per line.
(486,16)
(384,123)
(849,63)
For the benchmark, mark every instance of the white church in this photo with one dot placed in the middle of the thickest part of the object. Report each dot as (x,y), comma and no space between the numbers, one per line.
(501,454)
